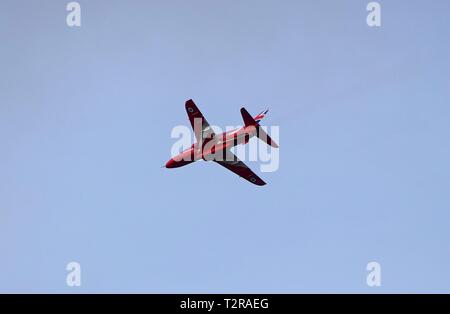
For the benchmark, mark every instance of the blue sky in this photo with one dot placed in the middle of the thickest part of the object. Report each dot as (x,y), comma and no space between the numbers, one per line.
(85,121)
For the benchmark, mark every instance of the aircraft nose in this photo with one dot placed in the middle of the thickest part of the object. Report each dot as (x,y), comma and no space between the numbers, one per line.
(171,163)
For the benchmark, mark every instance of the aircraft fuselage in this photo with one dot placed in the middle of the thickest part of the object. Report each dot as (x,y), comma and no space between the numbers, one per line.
(213,147)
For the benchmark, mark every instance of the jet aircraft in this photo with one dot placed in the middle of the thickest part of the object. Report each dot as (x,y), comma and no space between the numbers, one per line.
(216,147)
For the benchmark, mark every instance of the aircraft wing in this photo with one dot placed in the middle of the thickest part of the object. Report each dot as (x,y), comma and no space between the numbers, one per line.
(239,168)
(199,124)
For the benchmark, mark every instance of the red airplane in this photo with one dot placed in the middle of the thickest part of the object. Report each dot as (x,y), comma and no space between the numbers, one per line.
(216,147)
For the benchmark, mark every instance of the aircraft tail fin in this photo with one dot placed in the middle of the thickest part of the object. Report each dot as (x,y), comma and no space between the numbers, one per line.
(260,133)
(261,115)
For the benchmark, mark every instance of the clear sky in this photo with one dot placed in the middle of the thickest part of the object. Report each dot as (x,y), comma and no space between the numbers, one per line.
(85,121)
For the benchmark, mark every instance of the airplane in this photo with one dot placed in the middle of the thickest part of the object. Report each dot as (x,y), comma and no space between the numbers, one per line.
(216,147)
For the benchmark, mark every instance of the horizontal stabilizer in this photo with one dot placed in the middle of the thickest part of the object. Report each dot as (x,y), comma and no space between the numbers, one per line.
(248,119)
(260,133)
